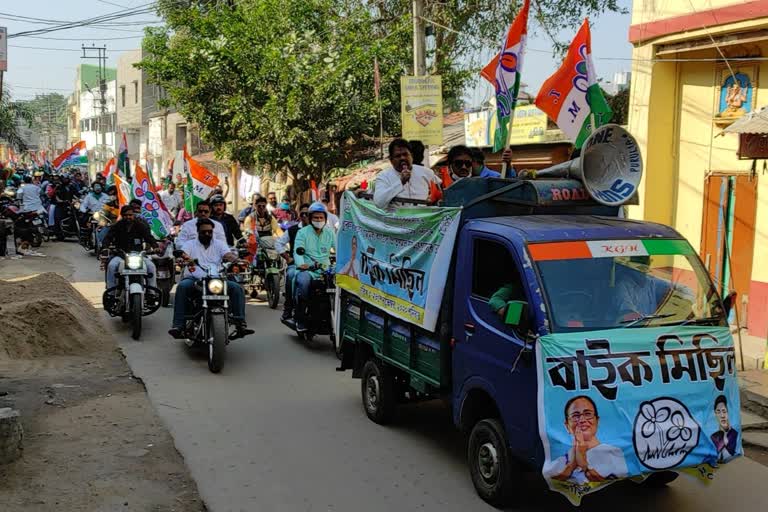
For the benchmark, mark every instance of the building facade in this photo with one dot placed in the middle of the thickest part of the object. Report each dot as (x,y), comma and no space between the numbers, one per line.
(695,70)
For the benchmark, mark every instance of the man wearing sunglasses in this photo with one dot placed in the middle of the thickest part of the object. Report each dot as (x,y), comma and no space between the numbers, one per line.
(284,246)
(189,229)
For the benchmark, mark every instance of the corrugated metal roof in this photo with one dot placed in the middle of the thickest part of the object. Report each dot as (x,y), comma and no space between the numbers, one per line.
(753,122)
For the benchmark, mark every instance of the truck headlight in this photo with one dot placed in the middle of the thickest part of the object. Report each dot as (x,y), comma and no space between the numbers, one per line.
(134,262)
(216,286)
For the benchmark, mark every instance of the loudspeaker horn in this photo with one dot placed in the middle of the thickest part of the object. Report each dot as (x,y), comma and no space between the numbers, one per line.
(610,166)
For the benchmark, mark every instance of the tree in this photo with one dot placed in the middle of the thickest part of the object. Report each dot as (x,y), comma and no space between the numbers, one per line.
(288,84)
(11,115)
(619,103)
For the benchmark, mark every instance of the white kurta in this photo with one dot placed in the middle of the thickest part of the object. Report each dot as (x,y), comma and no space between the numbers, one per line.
(188,232)
(388,185)
(607,460)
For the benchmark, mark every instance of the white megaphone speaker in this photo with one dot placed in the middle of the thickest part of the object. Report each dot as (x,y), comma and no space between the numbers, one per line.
(610,166)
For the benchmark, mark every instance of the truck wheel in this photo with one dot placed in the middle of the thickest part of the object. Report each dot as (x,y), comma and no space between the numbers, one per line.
(378,392)
(218,346)
(137,309)
(660,479)
(490,464)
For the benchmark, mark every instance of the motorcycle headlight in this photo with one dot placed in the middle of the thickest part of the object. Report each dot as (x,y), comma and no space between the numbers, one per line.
(134,262)
(97,216)
(216,286)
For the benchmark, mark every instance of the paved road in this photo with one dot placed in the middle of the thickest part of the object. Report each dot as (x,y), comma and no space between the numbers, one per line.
(280,430)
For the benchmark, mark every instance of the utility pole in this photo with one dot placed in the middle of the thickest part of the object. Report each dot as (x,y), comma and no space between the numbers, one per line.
(102,58)
(419,40)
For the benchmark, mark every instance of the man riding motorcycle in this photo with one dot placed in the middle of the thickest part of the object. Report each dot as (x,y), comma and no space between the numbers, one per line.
(95,200)
(284,246)
(317,243)
(128,235)
(210,253)
(172,199)
(263,225)
(188,230)
(63,195)
(228,221)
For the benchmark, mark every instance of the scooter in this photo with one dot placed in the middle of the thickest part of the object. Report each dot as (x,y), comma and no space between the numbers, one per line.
(69,226)
(320,311)
(132,298)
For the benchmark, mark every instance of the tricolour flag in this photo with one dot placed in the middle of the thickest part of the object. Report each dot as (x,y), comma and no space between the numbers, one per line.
(123,162)
(77,155)
(200,182)
(109,172)
(503,72)
(571,97)
(123,190)
(152,209)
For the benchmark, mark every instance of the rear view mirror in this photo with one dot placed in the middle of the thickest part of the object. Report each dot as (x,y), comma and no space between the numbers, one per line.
(728,302)
(516,310)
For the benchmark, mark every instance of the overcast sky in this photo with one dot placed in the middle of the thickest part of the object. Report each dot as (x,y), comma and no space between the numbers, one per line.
(32,71)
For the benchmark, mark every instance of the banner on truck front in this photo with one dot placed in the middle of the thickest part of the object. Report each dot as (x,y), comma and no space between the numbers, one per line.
(623,403)
(396,261)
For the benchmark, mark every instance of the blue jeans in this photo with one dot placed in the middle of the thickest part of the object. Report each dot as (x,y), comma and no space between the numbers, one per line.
(290,274)
(186,290)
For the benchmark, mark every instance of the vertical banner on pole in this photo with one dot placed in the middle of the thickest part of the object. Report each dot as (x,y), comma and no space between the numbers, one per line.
(3,49)
(421,101)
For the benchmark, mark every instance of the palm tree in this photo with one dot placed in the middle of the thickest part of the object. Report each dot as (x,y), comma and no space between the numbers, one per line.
(12,113)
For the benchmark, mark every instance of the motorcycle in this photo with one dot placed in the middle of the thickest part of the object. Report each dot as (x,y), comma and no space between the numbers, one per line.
(320,307)
(165,269)
(69,226)
(209,324)
(266,274)
(132,298)
(27,226)
(88,225)
(99,223)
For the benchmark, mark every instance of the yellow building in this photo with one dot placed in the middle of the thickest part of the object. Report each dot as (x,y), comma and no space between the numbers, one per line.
(683,94)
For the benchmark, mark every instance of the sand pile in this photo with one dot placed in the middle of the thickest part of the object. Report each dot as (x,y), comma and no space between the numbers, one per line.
(45,315)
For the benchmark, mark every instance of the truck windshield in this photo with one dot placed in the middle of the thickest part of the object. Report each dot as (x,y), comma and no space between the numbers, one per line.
(608,284)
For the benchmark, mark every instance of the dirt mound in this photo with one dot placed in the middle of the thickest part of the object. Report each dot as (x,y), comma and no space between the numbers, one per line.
(45,315)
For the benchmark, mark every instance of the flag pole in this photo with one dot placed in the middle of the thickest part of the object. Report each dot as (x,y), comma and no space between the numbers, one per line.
(508,139)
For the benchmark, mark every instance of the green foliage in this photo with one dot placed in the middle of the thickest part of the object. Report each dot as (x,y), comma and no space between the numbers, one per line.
(619,103)
(11,115)
(288,84)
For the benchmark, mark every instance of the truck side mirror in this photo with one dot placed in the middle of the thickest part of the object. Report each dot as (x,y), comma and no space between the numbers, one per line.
(516,312)
(729,302)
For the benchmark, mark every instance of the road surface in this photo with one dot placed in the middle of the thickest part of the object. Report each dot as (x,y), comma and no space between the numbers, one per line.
(280,430)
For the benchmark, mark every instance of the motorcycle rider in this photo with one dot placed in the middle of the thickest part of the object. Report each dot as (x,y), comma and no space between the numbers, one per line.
(210,253)
(317,242)
(263,224)
(171,199)
(231,226)
(63,195)
(188,230)
(29,194)
(284,246)
(128,235)
(95,200)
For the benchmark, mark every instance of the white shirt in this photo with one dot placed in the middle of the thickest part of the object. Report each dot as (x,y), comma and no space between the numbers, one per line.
(188,232)
(210,257)
(171,201)
(30,198)
(92,204)
(388,185)
(333,221)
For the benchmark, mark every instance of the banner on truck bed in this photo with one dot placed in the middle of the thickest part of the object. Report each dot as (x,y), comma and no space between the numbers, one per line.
(397,262)
(623,403)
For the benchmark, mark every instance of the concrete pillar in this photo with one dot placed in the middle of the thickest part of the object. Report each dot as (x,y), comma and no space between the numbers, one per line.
(11,435)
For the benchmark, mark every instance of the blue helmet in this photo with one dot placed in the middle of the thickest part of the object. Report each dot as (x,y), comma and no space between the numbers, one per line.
(317,206)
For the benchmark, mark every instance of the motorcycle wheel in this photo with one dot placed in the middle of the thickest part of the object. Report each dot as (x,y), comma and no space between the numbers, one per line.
(165,286)
(273,290)
(95,243)
(218,347)
(37,239)
(137,308)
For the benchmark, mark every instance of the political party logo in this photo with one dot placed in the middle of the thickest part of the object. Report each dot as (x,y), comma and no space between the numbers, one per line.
(664,433)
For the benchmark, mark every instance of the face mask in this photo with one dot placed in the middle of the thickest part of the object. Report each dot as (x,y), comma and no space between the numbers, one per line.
(205,239)
(318,224)
(97,190)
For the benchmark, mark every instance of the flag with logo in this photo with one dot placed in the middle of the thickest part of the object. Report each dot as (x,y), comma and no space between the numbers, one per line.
(152,208)
(77,155)
(200,182)
(503,72)
(571,97)
(123,162)
(123,190)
